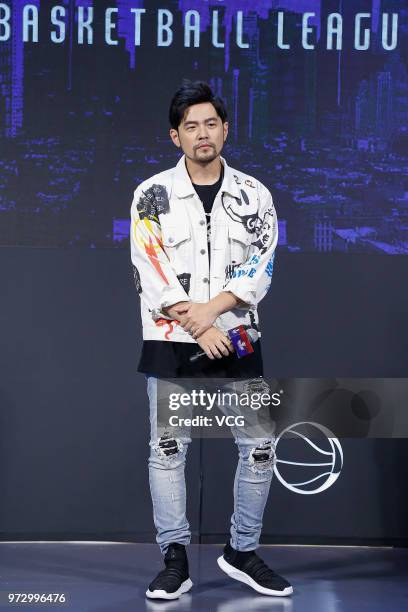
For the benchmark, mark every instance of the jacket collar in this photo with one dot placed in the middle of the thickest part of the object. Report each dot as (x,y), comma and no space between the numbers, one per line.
(183,186)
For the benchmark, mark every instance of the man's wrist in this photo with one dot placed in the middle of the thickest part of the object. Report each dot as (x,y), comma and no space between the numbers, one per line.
(223,302)
(215,308)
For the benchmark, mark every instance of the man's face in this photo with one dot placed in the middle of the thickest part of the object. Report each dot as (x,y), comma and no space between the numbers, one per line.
(201,125)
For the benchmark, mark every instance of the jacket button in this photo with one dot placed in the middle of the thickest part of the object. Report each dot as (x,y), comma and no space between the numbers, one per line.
(171,239)
(202,222)
(203,251)
(205,280)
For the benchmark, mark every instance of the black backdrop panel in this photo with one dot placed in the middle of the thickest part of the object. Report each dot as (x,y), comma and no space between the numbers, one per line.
(74,413)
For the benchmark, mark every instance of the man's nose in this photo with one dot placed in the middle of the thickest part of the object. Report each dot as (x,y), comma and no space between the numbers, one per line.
(202,132)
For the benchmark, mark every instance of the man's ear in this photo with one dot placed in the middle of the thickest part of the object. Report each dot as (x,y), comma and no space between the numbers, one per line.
(225,126)
(174,135)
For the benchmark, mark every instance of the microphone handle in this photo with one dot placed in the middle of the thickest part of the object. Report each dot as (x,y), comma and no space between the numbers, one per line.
(252,335)
(197,356)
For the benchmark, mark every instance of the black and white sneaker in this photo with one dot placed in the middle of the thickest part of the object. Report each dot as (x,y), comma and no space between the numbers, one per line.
(247,567)
(174,580)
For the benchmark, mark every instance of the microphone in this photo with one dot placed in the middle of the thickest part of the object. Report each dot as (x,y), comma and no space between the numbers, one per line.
(252,335)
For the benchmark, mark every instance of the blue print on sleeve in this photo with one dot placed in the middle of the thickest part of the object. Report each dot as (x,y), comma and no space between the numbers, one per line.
(269,267)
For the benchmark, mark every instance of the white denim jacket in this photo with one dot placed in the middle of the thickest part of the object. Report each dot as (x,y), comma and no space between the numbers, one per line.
(169,248)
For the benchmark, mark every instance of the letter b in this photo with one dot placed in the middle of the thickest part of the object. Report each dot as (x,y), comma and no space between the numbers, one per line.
(4,22)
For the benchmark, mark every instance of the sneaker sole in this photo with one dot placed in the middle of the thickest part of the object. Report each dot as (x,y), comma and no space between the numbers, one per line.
(162,594)
(237,574)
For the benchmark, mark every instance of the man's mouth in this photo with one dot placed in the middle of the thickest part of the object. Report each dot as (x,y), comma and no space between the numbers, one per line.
(202,146)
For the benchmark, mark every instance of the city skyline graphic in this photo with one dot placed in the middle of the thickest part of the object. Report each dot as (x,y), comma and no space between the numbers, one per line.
(84,121)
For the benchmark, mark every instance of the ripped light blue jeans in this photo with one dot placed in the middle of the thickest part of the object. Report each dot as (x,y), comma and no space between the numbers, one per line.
(252,482)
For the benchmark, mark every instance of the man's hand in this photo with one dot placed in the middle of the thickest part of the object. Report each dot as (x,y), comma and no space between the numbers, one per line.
(215,343)
(198,318)
(176,310)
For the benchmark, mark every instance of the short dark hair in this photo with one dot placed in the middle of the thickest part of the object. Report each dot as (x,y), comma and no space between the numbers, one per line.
(193,92)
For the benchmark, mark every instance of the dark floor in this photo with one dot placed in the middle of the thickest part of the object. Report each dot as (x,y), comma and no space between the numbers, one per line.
(104,577)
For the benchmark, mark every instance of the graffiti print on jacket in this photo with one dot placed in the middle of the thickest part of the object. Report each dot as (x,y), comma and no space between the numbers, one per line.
(185,281)
(155,201)
(136,277)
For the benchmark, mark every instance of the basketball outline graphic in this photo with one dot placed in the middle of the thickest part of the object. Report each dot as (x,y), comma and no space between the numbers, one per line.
(332,475)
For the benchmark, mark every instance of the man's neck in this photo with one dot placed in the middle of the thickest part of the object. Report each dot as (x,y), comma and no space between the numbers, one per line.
(204,174)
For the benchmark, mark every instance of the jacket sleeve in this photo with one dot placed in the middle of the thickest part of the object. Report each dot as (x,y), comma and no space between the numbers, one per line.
(156,280)
(251,280)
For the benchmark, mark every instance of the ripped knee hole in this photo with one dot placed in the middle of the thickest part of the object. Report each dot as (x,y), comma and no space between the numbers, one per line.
(167,445)
(263,456)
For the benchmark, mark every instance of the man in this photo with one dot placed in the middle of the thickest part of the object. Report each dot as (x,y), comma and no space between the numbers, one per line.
(203,237)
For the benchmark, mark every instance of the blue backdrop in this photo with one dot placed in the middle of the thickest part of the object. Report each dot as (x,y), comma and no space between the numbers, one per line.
(316,92)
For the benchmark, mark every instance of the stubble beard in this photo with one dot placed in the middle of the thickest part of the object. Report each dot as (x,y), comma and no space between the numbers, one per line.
(208,158)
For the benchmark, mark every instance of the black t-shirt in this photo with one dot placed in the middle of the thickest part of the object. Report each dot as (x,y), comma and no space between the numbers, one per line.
(172,359)
(207,194)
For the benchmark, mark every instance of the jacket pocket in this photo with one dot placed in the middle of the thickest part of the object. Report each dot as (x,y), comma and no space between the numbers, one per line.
(239,240)
(178,246)
(174,235)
